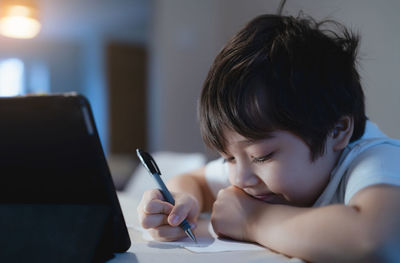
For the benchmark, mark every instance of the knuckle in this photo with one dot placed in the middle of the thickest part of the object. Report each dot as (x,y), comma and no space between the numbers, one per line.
(146,222)
(151,194)
(140,205)
(140,216)
(215,226)
(169,234)
(161,234)
(212,219)
(147,194)
(216,205)
(221,193)
(150,191)
(148,208)
(143,223)
(154,233)
(157,206)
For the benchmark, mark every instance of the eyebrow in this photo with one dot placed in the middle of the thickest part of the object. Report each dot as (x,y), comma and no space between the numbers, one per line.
(268,136)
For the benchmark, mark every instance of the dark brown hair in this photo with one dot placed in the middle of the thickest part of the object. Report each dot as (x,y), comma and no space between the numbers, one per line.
(283,73)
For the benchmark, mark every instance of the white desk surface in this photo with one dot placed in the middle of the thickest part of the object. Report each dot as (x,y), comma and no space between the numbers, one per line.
(145,251)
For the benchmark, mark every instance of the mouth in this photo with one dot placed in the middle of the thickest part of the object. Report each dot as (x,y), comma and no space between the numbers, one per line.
(269,198)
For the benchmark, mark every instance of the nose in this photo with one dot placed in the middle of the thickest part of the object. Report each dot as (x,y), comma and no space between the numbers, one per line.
(244,176)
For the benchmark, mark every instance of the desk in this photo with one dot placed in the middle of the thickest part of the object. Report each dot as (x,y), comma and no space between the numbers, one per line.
(143,251)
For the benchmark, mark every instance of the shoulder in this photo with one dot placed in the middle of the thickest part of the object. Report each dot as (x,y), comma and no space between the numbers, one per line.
(377,160)
(379,164)
(385,153)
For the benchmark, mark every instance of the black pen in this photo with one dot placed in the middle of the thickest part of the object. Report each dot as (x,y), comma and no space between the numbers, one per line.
(151,166)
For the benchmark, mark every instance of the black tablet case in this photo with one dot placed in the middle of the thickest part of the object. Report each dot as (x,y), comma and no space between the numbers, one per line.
(57,198)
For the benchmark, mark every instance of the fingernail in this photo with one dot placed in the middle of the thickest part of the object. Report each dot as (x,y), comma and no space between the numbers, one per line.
(174,219)
(193,225)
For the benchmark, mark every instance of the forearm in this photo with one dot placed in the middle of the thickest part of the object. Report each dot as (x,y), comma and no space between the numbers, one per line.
(194,184)
(327,234)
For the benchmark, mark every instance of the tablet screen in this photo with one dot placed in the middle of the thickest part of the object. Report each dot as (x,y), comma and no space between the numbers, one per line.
(50,153)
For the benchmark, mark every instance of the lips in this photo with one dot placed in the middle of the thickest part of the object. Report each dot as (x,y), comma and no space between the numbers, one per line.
(270,198)
(266,197)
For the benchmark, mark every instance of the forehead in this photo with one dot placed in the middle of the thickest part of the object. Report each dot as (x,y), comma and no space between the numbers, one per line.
(234,139)
(278,138)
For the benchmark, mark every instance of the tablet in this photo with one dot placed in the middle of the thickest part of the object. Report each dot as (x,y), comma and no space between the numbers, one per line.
(53,169)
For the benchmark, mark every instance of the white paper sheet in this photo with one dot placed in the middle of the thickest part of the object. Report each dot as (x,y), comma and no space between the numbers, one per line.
(207,241)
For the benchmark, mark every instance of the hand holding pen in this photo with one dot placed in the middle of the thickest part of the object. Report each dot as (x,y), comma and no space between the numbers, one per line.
(152,213)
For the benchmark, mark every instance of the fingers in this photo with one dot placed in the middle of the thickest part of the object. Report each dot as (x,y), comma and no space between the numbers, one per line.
(153,221)
(185,207)
(167,233)
(152,203)
(157,207)
(152,210)
(162,219)
(150,195)
(178,214)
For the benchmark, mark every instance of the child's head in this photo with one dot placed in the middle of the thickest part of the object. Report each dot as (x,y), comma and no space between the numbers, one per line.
(283,73)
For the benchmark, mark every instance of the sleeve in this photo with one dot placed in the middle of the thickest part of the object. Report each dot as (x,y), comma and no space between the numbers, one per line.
(217,177)
(377,165)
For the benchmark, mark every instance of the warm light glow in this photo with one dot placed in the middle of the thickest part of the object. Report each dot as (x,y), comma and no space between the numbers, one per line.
(19,22)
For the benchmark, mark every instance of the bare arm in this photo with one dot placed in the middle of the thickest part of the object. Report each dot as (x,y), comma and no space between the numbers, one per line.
(368,230)
(365,231)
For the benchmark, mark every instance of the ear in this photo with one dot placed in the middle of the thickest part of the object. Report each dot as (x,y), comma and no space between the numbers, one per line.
(341,133)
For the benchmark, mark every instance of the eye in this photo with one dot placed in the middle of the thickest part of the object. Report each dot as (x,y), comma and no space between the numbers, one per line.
(229,160)
(263,158)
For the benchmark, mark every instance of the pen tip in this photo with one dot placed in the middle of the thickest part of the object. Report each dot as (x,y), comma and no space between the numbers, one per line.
(191,235)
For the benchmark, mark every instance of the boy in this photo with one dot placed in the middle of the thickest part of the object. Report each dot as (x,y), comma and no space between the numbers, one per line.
(303,172)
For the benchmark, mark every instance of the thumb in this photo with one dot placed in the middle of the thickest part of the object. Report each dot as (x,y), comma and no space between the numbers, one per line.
(182,209)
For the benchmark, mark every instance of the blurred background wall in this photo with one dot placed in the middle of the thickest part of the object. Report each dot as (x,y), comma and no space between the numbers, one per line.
(142,63)
(187,35)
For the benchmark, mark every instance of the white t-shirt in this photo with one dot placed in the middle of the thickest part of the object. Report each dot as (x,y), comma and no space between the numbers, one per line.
(371,160)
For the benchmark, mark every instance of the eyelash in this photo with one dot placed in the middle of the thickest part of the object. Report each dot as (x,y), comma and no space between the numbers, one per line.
(263,158)
(255,159)
(229,160)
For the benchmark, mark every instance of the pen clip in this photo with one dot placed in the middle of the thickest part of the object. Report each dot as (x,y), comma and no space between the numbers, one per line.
(148,162)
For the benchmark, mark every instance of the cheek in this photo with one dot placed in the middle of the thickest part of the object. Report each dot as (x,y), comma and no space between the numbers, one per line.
(299,182)
(273,176)
(232,174)
(284,179)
